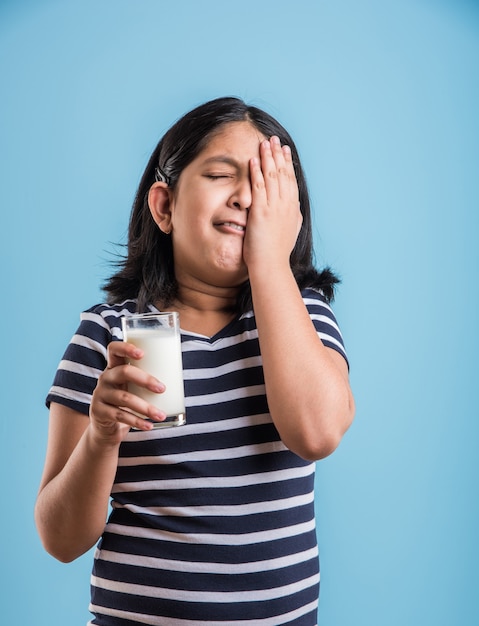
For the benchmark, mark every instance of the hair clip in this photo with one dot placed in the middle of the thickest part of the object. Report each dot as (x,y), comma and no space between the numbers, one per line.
(160,176)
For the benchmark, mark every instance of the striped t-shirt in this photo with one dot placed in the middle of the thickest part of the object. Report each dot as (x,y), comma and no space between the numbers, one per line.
(212,522)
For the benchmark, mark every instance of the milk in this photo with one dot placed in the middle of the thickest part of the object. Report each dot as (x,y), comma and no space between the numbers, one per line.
(162,359)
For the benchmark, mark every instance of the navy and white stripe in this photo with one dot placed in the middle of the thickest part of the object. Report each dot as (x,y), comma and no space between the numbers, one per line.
(212,522)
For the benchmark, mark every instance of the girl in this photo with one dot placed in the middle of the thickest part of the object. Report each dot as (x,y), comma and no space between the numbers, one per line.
(211,522)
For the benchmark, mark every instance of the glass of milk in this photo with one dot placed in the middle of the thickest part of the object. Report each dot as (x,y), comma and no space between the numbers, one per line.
(158,335)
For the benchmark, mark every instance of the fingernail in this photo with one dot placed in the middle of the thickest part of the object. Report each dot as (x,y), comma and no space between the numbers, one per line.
(275,139)
(159,387)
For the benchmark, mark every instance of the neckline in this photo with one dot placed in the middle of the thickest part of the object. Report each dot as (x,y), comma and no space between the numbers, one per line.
(220,334)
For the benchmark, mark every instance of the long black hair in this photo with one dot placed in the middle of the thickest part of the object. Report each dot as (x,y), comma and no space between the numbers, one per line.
(147,271)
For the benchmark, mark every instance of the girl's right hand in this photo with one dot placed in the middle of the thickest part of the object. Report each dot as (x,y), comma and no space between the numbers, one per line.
(111,408)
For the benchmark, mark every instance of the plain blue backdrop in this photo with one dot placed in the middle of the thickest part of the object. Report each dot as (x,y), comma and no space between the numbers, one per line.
(382,98)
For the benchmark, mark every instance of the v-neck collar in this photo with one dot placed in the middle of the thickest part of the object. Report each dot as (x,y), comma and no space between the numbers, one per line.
(223,332)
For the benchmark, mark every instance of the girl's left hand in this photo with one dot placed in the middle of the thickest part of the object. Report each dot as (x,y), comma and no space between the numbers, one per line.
(274,219)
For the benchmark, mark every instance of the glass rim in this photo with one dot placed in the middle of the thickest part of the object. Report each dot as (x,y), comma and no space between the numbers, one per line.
(143,316)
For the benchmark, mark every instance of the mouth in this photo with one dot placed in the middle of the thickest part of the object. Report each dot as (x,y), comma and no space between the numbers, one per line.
(231,226)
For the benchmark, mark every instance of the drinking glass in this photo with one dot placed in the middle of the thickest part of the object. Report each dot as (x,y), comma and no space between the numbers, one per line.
(158,335)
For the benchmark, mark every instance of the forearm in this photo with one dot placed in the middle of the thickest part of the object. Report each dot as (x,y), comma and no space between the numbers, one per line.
(308,393)
(71,508)
(82,455)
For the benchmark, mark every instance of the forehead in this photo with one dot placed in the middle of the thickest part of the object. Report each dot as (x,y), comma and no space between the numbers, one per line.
(236,139)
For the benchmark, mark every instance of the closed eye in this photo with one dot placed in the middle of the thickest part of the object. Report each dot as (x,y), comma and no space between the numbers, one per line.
(217,176)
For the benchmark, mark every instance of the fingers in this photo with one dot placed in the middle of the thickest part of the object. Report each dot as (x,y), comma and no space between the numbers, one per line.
(272,175)
(289,179)
(119,372)
(119,405)
(280,170)
(120,351)
(274,219)
(109,417)
(112,403)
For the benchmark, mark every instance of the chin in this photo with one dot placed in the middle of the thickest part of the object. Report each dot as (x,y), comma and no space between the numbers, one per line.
(234,272)
(231,277)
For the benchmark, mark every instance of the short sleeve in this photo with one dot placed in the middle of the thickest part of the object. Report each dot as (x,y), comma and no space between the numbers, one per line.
(85,358)
(324,321)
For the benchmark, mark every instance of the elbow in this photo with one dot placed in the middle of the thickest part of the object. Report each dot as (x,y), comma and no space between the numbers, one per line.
(319,442)
(53,547)
(62,553)
(319,448)
(62,556)
(51,539)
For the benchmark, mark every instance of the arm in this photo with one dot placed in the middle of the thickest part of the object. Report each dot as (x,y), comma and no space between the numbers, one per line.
(82,457)
(306,383)
(72,503)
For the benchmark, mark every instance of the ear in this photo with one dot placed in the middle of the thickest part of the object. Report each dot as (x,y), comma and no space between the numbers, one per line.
(160,199)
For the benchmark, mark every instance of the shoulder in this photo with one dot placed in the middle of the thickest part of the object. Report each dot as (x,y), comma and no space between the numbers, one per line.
(315,299)
(318,304)
(109,315)
(324,319)
(101,324)
(111,311)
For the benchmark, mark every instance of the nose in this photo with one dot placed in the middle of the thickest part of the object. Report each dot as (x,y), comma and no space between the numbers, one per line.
(241,197)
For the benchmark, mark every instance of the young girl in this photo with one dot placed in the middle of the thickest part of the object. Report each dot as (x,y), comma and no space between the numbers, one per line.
(211,522)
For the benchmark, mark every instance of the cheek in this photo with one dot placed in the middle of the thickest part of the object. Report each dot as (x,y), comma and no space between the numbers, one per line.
(186,222)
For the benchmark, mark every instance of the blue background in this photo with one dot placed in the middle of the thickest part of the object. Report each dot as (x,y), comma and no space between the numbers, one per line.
(382,98)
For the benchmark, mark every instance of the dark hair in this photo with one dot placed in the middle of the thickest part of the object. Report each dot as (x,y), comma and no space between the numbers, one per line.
(147,272)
